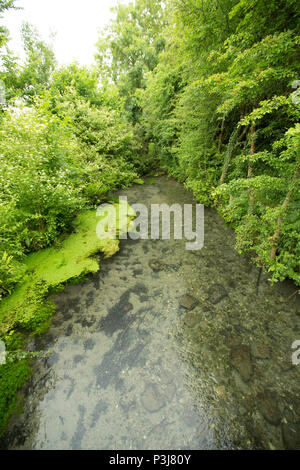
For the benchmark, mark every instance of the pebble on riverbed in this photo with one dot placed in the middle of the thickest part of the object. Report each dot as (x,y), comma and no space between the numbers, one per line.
(241,360)
(192,319)
(157,265)
(260,350)
(268,407)
(152,399)
(188,302)
(216,293)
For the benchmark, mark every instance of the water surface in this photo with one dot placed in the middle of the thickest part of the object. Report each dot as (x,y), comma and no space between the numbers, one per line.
(132,369)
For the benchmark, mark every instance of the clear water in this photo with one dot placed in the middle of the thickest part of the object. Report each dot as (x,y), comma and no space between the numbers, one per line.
(131,369)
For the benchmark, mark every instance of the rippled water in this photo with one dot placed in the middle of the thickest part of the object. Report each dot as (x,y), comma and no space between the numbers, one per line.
(132,369)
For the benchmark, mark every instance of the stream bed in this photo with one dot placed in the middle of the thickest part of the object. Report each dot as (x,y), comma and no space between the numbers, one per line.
(169,349)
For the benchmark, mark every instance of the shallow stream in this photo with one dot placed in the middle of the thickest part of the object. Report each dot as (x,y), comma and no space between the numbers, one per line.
(167,348)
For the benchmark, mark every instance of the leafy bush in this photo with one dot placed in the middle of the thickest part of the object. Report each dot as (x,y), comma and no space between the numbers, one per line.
(11,272)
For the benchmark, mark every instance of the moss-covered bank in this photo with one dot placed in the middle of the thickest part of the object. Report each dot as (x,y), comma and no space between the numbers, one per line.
(27,311)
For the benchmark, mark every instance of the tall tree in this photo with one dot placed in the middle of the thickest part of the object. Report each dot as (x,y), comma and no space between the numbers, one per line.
(29,78)
(128,49)
(4,33)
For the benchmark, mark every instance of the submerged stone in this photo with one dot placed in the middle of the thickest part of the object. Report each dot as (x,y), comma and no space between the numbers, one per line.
(152,399)
(216,293)
(157,265)
(192,319)
(231,339)
(241,360)
(260,350)
(268,407)
(188,302)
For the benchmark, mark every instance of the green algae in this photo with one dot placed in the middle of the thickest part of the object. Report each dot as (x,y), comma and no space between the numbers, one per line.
(48,269)
(27,309)
(139,181)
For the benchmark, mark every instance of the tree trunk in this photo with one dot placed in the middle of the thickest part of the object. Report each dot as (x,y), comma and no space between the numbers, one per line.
(230,148)
(250,168)
(232,144)
(221,135)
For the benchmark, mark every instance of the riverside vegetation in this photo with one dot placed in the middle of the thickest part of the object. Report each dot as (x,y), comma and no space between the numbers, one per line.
(206,90)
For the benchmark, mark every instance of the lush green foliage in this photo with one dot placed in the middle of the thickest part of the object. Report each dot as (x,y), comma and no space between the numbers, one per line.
(27,80)
(66,150)
(205,89)
(64,144)
(129,48)
(4,33)
(221,112)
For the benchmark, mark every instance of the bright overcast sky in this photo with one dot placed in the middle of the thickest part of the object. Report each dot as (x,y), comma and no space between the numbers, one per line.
(75,22)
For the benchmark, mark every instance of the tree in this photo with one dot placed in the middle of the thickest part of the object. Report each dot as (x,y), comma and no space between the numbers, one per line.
(28,79)
(129,48)
(4,6)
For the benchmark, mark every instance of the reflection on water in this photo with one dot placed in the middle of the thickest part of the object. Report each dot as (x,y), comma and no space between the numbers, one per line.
(167,349)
